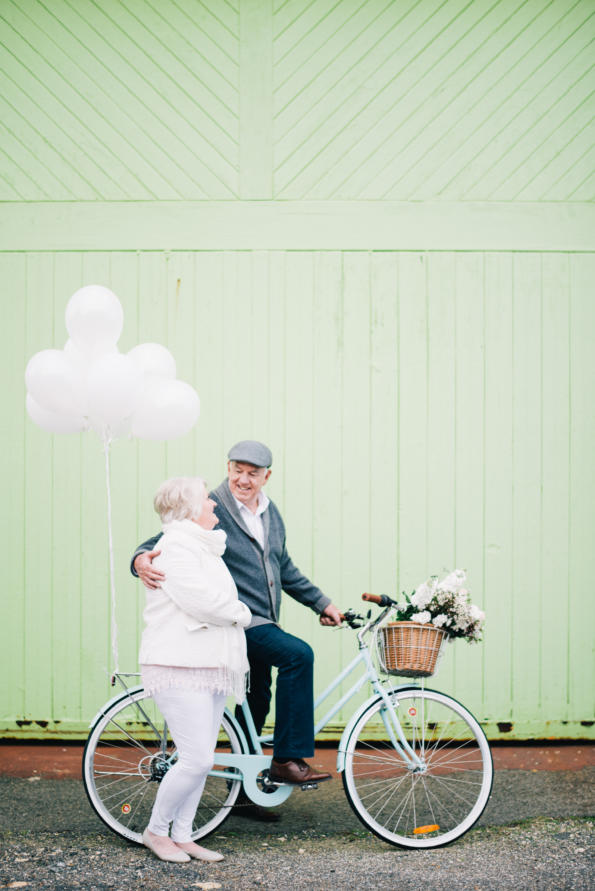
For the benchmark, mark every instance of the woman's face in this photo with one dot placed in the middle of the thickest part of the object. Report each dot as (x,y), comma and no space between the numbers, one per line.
(207,518)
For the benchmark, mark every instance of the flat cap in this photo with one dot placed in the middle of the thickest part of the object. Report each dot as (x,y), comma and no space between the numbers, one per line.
(252,452)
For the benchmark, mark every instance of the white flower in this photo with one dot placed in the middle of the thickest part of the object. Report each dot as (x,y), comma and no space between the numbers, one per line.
(452,581)
(422,596)
(423,618)
(461,603)
(402,606)
(476,613)
(440,620)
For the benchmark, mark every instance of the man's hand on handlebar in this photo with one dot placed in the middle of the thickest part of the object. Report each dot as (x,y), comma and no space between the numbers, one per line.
(331,616)
(150,577)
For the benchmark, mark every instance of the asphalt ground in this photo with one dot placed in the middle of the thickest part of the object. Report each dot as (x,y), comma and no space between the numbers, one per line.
(537,832)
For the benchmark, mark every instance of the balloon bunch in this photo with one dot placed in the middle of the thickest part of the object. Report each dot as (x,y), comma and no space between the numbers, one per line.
(90,385)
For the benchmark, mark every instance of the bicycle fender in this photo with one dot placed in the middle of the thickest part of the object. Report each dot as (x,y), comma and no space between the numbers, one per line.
(236,726)
(355,718)
(123,694)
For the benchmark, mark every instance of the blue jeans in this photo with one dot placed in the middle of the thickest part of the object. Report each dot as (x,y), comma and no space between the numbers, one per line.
(269,646)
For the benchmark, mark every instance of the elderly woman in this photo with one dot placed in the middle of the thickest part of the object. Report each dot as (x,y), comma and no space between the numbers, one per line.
(192,656)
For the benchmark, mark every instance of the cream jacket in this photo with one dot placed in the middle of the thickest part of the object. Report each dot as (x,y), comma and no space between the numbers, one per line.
(195,618)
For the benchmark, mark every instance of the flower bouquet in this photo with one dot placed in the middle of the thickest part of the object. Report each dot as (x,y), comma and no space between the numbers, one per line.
(437,610)
(444,604)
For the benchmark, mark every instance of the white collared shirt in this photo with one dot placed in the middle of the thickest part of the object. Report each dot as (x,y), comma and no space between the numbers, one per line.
(254,520)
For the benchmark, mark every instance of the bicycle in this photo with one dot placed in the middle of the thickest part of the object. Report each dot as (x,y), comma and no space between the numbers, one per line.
(416,765)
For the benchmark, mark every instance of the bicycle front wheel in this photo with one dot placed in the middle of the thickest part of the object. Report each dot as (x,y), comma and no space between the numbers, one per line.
(127,754)
(425,804)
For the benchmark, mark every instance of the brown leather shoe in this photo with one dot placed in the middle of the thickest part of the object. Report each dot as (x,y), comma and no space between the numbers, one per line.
(296,772)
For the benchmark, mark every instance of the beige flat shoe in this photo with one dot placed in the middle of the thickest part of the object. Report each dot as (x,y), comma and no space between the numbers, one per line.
(199,853)
(164,848)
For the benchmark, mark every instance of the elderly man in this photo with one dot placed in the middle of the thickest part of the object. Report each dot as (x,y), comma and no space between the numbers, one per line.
(257,558)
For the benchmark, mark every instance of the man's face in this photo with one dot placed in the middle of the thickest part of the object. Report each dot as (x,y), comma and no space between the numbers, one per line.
(246,481)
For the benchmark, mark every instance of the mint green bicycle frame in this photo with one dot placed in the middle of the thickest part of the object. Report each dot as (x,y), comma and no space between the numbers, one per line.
(250,766)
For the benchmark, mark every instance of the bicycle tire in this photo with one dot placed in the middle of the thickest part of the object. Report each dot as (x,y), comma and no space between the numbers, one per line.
(419,808)
(126,756)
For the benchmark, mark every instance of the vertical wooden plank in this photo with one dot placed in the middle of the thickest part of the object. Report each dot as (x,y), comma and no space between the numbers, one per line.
(66,666)
(413,420)
(441,427)
(151,457)
(556,401)
(38,497)
(15,430)
(126,487)
(498,452)
(297,480)
(209,357)
(468,662)
(581,618)
(326,474)
(527,582)
(441,412)
(256,99)
(355,452)
(152,324)
(180,302)
(262,333)
(278,397)
(96,656)
(277,384)
(384,424)
(356,508)
(237,347)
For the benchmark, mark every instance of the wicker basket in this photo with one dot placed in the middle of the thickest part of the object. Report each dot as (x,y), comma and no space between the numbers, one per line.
(409,649)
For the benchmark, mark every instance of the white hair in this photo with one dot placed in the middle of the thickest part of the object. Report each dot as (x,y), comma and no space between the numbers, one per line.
(180,498)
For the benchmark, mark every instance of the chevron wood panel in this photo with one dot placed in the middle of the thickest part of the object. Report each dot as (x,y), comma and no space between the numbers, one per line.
(410,100)
(123,99)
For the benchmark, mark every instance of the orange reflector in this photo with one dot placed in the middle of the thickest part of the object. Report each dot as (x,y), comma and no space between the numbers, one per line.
(421,830)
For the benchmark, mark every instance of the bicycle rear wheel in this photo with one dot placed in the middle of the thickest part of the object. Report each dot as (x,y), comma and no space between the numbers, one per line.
(128,753)
(429,805)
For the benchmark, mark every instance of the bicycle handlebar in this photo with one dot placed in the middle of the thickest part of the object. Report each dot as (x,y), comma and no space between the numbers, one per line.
(354,620)
(380,599)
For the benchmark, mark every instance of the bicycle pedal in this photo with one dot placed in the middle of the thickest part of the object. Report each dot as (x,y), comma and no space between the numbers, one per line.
(305,786)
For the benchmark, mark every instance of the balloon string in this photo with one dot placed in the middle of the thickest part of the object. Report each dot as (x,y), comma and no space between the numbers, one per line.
(114,625)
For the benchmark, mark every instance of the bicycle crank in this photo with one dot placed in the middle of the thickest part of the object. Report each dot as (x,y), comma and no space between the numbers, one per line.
(269,785)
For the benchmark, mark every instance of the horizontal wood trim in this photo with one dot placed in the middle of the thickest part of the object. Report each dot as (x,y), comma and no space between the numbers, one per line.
(521,730)
(297,225)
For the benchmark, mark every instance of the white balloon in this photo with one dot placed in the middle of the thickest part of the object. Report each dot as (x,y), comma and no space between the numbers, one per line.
(52,421)
(154,360)
(82,359)
(94,318)
(54,383)
(168,409)
(114,387)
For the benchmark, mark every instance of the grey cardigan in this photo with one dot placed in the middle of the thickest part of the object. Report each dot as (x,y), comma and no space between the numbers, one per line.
(260,575)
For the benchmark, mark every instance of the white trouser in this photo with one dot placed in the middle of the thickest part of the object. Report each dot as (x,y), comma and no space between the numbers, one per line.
(194,718)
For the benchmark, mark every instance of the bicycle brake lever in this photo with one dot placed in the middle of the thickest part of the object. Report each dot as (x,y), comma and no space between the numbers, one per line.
(353,619)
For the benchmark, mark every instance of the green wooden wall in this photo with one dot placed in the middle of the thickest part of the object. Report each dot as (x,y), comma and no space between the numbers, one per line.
(366,231)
